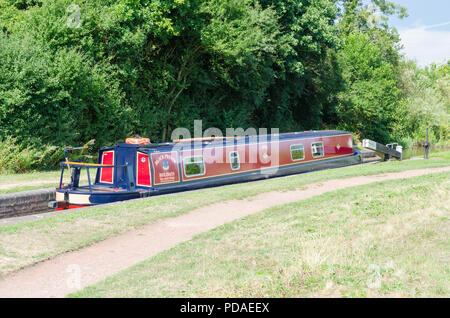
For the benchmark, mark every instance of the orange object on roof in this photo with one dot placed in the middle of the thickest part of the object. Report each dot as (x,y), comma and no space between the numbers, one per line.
(137,141)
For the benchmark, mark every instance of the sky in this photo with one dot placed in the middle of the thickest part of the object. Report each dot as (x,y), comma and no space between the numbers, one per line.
(425,33)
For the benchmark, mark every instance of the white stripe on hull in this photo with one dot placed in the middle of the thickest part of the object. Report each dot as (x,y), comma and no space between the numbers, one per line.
(79,199)
(59,196)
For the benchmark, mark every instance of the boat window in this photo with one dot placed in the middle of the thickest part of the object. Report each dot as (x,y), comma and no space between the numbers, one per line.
(194,166)
(234,160)
(317,149)
(297,152)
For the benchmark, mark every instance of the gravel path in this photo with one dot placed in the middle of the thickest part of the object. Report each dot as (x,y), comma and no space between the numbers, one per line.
(74,270)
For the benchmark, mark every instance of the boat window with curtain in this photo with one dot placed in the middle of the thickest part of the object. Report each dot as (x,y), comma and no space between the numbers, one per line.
(297,152)
(234,160)
(194,166)
(317,149)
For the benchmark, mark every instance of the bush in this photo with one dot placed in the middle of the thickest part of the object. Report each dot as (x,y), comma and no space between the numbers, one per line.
(57,99)
(425,104)
(17,158)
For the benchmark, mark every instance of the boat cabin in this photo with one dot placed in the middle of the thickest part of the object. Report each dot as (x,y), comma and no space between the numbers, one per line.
(139,168)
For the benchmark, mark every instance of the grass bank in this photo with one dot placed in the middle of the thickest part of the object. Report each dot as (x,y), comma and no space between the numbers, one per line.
(441,155)
(28,181)
(35,180)
(25,243)
(384,239)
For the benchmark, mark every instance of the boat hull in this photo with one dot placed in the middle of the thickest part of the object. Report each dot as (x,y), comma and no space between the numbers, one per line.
(83,198)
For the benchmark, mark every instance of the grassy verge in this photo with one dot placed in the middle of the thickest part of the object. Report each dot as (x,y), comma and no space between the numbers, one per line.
(25,243)
(441,155)
(28,188)
(28,181)
(385,239)
(36,180)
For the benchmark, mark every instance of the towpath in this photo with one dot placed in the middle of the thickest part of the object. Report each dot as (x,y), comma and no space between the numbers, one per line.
(74,270)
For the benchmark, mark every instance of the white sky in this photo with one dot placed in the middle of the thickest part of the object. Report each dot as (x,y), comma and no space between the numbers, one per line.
(425,33)
(426,44)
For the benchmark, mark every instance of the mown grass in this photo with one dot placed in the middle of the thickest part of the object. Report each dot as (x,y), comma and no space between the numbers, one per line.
(25,243)
(21,182)
(10,183)
(441,155)
(384,239)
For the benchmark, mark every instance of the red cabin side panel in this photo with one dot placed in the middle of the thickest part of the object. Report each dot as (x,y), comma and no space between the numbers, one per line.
(265,155)
(143,177)
(334,146)
(107,174)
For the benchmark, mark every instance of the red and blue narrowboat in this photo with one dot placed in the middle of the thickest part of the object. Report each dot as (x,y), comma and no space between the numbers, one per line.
(139,168)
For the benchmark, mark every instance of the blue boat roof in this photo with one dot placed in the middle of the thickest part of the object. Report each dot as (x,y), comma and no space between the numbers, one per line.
(268,137)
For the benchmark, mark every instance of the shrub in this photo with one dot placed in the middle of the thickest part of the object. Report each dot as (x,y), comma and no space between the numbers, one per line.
(19,158)
(56,98)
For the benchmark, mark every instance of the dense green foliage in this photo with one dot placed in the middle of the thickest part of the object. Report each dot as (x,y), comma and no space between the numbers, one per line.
(425,102)
(73,70)
(16,157)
